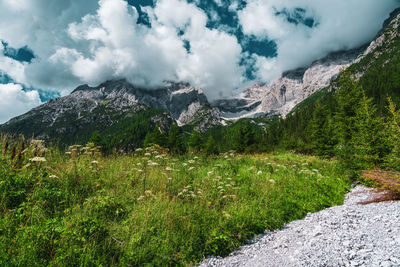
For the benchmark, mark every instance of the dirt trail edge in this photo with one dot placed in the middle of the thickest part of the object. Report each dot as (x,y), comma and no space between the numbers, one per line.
(347,235)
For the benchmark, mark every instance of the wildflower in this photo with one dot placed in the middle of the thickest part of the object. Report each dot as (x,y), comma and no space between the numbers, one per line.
(158,157)
(191,161)
(147,154)
(272,181)
(219,187)
(184,164)
(229,179)
(140,198)
(53,176)
(68,153)
(170,179)
(209,173)
(139,149)
(199,192)
(191,168)
(259,172)
(151,163)
(94,162)
(168,169)
(193,195)
(196,158)
(38,159)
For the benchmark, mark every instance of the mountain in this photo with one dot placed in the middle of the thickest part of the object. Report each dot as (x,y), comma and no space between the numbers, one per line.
(282,95)
(114,105)
(118,108)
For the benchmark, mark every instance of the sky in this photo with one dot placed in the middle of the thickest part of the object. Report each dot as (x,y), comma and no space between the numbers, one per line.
(48,47)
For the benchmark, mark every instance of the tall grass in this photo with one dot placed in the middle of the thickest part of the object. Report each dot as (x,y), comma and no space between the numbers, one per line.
(80,208)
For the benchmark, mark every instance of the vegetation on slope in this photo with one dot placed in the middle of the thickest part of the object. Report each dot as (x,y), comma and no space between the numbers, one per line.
(149,207)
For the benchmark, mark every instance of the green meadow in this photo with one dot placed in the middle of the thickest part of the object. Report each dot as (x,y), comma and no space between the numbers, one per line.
(78,207)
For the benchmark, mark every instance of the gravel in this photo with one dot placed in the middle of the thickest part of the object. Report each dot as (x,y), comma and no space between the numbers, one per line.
(347,235)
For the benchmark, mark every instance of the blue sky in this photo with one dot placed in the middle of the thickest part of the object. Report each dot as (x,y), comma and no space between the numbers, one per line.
(49,47)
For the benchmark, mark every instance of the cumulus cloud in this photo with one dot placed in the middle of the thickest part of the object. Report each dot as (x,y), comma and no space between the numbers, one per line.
(341,24)
(92,41)
(148,57)
(14,101)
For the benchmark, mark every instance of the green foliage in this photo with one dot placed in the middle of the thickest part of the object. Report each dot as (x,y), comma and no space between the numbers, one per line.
(195,142)
(149,208)
(156,137)
(211,147)
(175,141)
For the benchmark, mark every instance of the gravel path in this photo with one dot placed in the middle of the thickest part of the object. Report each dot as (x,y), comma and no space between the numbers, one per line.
(348,235)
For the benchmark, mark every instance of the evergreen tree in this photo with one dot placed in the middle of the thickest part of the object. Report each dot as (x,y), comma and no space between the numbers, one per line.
(322,140)
(155,137)
(392,160)
(175,143)
(245,137)
(348,100)
(211,147)
(366,140)
(195,141)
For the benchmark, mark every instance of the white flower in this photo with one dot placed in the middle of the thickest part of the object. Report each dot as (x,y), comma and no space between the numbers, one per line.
(38,159)
(140,198)
(191,168)
(94,162)
(139,149)
(53,176)
(272,181)
(168,169)
(209,173)
(184,164)
(147,154)
(259,172)
(191,161)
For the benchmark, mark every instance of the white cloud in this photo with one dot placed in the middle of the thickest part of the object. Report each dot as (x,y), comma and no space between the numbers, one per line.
(92,41)
(119,48)
(343,24)
(14,101)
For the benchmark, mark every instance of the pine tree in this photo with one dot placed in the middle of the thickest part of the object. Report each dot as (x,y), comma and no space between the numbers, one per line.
(322,141)
(392,160)
(366,142)
(348,100)
(195,141)
(245,137)
(211,147)
(155,137)
(175,143)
